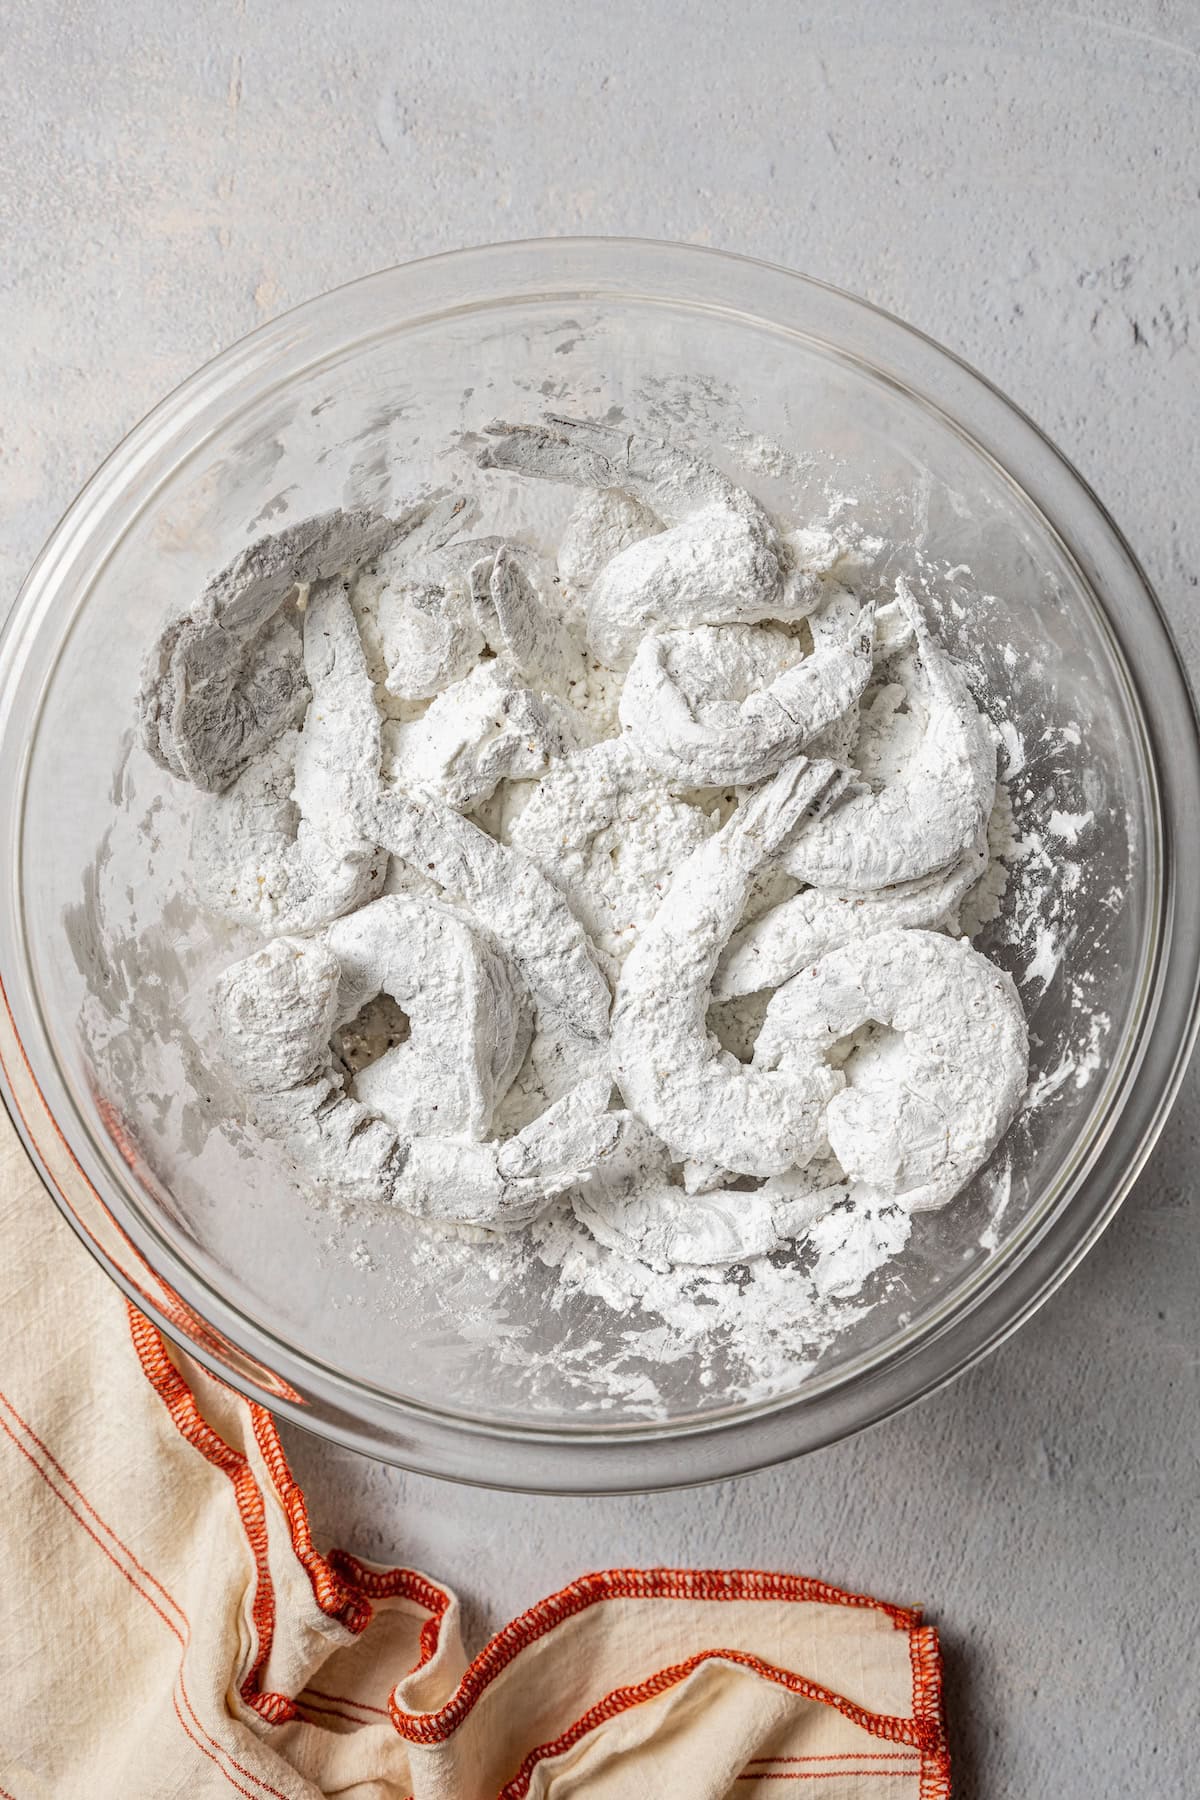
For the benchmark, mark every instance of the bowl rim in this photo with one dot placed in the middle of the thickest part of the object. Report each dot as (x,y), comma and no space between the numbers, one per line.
(638,1455)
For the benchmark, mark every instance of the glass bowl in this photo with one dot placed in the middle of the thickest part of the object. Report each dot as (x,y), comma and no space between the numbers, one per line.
(374,1333)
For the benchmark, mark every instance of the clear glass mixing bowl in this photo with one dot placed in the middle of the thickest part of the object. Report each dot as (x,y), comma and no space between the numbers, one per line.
(371,1333)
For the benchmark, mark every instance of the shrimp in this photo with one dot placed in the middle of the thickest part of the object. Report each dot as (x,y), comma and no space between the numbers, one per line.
(929,815)
(276,1010)
(256,862)
(604,523)
(440,609)
(682,705)
(504,1186)
(521,627)
(508,896)
(831,625)
(604,830)
(297,806)
(226,680)
(925,1105)
(491,725)
(470,1018)
(340,751)
(480,731)
(721,559)
(771,949)
(671,1071)
(631,1206)
(415,598)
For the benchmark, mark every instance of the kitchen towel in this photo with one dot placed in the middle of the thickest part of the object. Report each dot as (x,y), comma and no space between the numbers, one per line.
(169,1628)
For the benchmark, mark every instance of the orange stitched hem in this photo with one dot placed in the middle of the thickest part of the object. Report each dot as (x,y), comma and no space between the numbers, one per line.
(343,1587)
(399,1584)
(618,1584)
(926,1657)
(909,1731)
(180,1403)
(339,1599)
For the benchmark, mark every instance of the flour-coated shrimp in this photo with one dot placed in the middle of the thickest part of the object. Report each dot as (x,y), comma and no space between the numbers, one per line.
(504,1185)
(696,704)
(925,1105)
(830,624)
(526,914)
(283,847)
(438,608)
(276,1010)
(340,750)
(930,814)
(602,524)
(606,831)
(701,1101)
(521,627)
(721,560)
(632,1206)
(470,1018)
(255,860)
(486,728)
(771,949)
(226,679)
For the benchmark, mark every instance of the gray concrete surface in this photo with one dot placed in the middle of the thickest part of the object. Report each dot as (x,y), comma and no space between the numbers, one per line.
(1023,181)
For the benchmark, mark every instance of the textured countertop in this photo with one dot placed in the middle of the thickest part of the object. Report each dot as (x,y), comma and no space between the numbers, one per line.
(1023,181)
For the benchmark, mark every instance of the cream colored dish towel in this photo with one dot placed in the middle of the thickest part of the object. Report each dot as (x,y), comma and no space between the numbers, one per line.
(167,1626)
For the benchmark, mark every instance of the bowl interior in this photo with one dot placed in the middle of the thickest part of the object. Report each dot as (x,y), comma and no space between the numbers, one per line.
(120,958)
